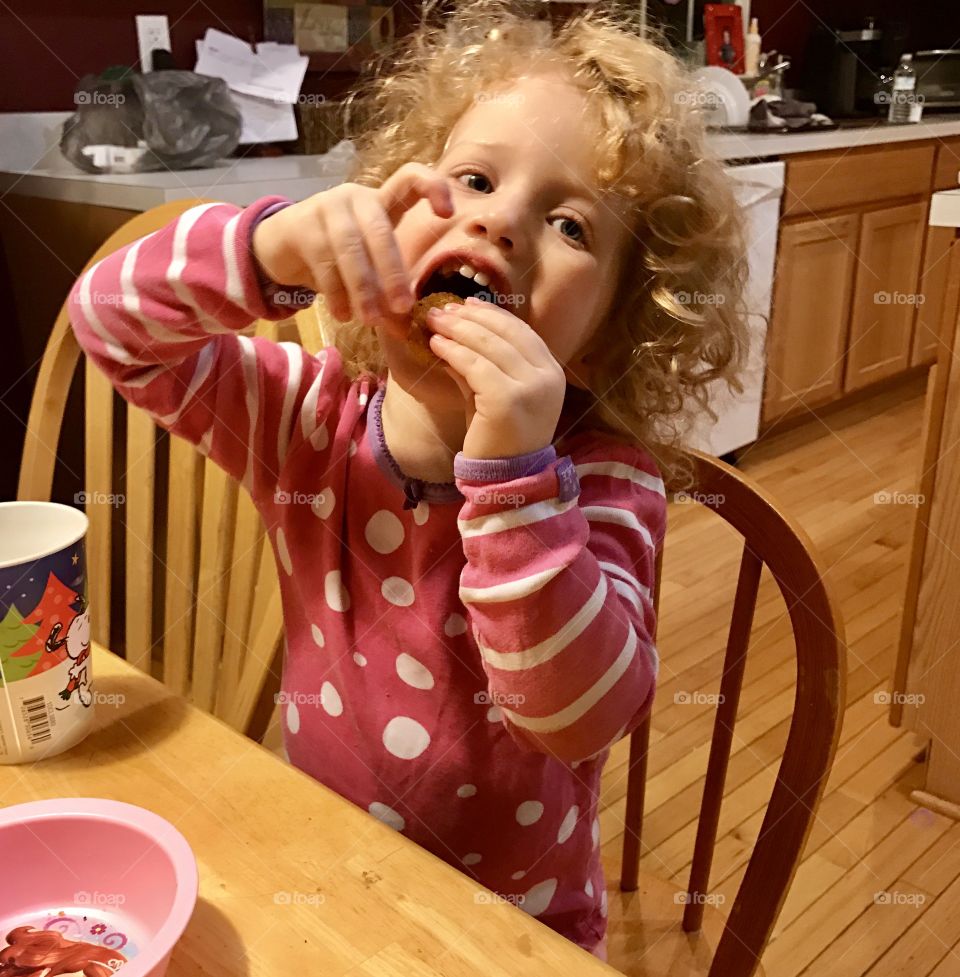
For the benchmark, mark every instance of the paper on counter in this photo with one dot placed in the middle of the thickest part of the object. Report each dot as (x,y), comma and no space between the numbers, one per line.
(264,120)
(274,71)
(263,84)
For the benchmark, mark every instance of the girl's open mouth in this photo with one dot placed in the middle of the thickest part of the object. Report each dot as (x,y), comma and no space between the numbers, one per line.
(459,284)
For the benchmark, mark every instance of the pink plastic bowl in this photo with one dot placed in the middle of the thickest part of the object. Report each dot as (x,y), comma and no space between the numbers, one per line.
(88,881)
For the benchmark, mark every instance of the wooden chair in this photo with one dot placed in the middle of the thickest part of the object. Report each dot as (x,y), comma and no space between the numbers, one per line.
(662,929)
(180,573)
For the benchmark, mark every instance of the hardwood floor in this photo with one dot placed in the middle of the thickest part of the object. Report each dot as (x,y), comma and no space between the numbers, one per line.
(878,891)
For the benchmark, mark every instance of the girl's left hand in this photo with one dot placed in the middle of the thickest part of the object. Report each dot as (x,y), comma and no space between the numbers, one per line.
(512,386)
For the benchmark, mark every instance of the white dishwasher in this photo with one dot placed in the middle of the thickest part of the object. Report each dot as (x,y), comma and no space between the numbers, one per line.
(758,188)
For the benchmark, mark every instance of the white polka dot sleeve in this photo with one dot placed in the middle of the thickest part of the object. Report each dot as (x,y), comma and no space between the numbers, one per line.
(559,595)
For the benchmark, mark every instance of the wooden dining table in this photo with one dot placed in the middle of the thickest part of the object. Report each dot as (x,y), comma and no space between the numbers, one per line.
(294,879)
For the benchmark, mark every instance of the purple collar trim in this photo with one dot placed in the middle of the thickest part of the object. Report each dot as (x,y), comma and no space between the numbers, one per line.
(414,489)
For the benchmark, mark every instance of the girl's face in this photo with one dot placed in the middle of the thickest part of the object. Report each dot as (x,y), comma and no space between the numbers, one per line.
(520,166)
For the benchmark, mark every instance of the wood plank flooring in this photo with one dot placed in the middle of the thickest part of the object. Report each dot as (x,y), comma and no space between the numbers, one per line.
(878,891)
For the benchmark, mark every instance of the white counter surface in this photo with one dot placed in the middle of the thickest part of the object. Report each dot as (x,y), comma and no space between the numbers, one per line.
(237,181)
(742,145)
(31,164)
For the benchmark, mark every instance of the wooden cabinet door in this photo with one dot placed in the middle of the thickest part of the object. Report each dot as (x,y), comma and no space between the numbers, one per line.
(946,172)
(811,305)
(885,295)
(933,287)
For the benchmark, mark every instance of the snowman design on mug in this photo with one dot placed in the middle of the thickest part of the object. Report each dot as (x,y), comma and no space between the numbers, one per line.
(77,641)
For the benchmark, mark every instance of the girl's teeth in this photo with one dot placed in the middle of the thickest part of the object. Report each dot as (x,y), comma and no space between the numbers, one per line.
(481,278)
(478,276)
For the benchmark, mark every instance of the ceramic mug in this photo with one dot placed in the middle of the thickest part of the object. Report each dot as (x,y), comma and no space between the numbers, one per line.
(46,694)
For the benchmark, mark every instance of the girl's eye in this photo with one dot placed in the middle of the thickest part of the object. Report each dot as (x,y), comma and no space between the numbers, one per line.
(573,228)
(474,176)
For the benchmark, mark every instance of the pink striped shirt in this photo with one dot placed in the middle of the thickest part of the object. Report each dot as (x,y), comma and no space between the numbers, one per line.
(458,667)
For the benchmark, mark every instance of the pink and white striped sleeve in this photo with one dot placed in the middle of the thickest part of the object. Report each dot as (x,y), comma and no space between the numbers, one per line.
(163,318)
(559,593)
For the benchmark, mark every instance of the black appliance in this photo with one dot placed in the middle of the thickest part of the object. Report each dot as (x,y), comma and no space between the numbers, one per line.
(938,78)
(842,67)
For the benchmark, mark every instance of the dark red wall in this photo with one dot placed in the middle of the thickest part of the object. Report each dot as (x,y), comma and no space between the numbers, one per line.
(49,44)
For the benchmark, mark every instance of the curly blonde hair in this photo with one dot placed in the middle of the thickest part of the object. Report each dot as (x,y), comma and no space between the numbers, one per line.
(678,319)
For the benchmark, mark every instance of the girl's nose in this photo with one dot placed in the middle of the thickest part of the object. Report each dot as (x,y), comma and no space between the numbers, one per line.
(500,225)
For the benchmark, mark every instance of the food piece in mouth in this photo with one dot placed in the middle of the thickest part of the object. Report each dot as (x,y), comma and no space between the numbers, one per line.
(419,336)
(454,281)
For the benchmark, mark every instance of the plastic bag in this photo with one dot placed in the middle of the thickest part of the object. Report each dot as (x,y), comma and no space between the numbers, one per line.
(164,120)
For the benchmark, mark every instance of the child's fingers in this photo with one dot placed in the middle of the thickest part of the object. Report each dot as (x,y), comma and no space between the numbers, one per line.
(327,281)
(482,341)
(388,263)
(346,242)
(411,183)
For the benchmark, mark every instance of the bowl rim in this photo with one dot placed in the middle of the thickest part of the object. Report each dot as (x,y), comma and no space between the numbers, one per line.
(158,830)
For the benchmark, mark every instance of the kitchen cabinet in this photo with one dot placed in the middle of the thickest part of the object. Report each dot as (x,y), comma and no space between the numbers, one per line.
(859,278)
(885,297)
(929,320)
(821,182)
(946,175)
(813,287)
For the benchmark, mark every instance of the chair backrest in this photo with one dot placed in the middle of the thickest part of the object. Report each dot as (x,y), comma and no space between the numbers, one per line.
(774,540)
(175,548)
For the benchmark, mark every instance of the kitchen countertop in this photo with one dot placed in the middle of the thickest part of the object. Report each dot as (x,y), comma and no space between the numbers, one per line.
(31,164)
(237,181)
(742,145)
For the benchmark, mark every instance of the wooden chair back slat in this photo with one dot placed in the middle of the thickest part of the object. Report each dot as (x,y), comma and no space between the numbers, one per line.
(57,369)
(637,769)
(786,550)
(216,551)
(138,511)
(267,582)
(185,484)
(98,485)
(633,816)
(774,540)
(262,666)
(247,544)
(310,330)
(734,664)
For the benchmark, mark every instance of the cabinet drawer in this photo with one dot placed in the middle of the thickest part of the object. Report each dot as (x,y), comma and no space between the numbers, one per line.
(948,165)
(816,182)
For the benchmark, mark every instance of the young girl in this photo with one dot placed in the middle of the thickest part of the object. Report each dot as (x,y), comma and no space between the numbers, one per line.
(465,548)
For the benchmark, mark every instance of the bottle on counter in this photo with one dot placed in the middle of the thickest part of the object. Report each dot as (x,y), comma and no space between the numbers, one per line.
(881,97)
(751,50)
(903,93)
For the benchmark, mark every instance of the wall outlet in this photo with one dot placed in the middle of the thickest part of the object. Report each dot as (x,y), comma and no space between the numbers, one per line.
(153,32)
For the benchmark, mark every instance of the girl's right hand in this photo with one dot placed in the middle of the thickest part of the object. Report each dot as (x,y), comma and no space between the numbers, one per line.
(341,243)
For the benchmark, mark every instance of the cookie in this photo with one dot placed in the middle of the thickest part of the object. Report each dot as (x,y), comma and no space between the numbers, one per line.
(419,336)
